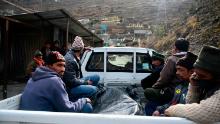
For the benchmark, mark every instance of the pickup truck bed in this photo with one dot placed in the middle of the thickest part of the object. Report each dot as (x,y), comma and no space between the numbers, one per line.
(110,78)
(9,115)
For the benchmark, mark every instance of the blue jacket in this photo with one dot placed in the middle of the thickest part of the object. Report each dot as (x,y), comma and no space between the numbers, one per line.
(45,92)
(178,98)
(73,72)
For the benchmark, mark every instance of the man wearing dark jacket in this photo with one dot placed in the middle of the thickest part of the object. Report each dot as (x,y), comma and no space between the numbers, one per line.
(162,91)
(45,90)
(184,67)
(203,96)
(157,64)
(77,85)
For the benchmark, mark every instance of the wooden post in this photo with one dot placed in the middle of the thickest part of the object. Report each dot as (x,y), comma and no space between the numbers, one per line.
(6,59)
(67,30)
(94,44)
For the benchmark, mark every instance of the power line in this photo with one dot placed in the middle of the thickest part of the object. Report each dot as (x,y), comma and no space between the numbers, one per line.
(20,7)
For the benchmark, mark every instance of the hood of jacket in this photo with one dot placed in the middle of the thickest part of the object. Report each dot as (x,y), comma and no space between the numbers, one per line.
(43,72)
(180,54)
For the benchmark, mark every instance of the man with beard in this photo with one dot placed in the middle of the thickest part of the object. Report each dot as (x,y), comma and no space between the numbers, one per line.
(203,97)
(45,90)
(78,86)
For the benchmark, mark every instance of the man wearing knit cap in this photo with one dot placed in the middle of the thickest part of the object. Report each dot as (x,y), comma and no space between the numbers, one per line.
(162,91)
(203,96)
(77,85)
(45,90)
(184,67)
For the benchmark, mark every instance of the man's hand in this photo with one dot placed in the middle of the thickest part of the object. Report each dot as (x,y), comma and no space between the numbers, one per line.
(88,48)
(177,110)
(88,100)
(167,113)
(156,113)
(89,82)
(193,79)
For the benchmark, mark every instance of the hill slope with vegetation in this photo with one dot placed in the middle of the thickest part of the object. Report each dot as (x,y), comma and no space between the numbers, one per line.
(200,27)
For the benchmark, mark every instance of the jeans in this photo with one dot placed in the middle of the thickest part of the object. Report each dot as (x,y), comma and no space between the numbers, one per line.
(150,107)
(87,108)
(86,91)
(94,78)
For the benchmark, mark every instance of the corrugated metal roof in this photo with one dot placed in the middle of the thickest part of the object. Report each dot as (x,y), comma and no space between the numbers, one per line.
(60,19)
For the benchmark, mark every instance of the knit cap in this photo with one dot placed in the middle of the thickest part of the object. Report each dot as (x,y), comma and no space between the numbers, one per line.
(187,61)
(38,53)
(182,44)
(157,56)
(54,57)
(209,59)
(78,43)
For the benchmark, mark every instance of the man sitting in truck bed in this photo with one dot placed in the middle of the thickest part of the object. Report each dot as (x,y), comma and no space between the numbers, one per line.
(77,85)
(45,89)
(203,97)
(157,65)
(184,69)
(162,91)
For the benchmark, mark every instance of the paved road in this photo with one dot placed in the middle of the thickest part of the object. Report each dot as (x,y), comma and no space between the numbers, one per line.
(13,89)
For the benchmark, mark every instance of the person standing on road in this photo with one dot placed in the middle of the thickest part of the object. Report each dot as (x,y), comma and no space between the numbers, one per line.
(37,61)
(46,49)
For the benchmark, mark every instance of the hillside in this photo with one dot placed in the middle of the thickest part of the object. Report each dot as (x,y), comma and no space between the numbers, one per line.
(201,27)
(196,20)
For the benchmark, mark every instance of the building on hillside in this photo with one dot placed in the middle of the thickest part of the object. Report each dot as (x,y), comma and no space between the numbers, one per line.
(112,19)
(142,33)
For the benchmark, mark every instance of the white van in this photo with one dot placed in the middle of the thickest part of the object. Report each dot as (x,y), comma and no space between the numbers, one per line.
(117,65)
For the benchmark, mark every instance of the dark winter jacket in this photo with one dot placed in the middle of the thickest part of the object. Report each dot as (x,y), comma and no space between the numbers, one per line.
(178,98)
(45,92)
(148,81)
(73,72)
(168,74)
